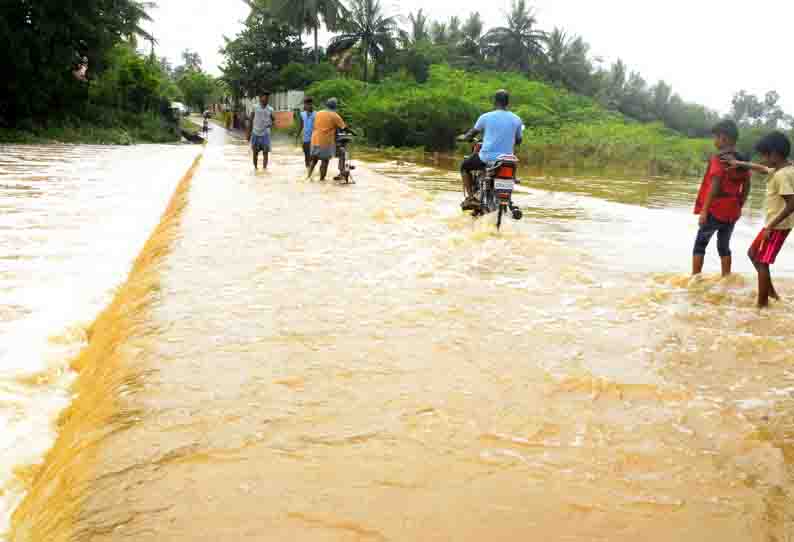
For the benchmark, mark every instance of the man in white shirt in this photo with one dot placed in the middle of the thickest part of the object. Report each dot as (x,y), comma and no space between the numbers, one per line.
(259,125)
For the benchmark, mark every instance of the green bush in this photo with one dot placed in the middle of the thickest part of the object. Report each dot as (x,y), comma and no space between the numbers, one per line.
(99,125)
(345,90)
(632,146)
(561,127)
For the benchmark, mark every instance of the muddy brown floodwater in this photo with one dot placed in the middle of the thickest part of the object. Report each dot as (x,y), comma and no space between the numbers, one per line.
(295,360)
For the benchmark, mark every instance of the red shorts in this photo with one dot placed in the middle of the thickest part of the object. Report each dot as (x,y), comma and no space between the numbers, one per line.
(763,251)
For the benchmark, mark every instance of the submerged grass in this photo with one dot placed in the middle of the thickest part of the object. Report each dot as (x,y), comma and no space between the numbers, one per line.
(102,127)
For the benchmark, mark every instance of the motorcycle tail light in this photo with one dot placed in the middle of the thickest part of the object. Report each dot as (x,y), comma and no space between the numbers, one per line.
(505,172)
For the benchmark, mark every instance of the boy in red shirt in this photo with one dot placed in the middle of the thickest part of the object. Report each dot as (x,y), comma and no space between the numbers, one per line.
(721,197)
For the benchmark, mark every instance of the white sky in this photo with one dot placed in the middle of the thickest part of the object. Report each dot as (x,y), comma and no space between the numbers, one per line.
(688,43)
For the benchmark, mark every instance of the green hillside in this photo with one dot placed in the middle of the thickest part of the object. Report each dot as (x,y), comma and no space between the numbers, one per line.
(561,127)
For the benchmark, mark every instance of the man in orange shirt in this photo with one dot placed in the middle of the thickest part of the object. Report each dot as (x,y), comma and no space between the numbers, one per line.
(326,123)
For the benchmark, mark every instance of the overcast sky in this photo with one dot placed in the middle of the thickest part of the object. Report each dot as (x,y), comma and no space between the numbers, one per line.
(688,43)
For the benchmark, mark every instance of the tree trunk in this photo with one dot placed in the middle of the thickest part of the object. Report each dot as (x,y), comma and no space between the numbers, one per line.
(366,60)
(316,45)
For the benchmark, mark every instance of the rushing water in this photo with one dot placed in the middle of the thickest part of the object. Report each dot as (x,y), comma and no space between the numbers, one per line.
(72,219)
(295,360)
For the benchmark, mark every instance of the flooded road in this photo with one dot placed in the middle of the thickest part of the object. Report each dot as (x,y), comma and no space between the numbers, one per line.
(294,360)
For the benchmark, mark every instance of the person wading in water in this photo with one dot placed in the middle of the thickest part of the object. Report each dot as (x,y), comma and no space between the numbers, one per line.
(326,123)
(306,129)
(260,123)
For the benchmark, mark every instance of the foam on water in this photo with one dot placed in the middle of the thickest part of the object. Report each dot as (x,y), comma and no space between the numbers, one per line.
(73,221)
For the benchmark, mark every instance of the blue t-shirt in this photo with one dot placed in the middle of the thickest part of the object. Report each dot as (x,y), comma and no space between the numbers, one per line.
(308,125)
(501,128)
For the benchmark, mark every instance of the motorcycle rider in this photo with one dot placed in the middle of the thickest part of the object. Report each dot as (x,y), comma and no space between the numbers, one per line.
(502,130)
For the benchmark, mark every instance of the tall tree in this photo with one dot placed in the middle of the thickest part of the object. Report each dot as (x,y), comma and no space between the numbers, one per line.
(611,95)
(473,27)
(519,44)
(661,92)
(747,107)
(558,44)
(419,30)
(567,62)
(470,46)
(306,15)
(192,60)
(773,113)
(637,101)
(199,89)
(367,27)
(454,31)
(439,33)
(256,56)
(47,41)
(750,110)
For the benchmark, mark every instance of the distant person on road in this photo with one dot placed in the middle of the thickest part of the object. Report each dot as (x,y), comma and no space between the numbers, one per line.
(259,125)
(205,127)
(722,196)
(307,129)
(502,131)
(326,123)
(775,150)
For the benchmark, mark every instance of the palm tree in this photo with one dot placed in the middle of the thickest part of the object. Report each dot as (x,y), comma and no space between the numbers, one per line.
(439,33)
(454,31)
(472,28)
(305,15)
(567,62)
(419,33)
(368,27)
(555,55)
(470,45)
(135,12)
(519,44)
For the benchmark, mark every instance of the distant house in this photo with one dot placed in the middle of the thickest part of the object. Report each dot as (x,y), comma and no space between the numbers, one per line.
(284,105)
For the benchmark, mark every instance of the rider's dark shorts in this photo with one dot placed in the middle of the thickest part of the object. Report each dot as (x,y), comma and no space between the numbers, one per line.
(472,163)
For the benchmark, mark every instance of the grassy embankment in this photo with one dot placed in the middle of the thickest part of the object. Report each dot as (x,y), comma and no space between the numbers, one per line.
(104,127)
(189,126)
(563,130)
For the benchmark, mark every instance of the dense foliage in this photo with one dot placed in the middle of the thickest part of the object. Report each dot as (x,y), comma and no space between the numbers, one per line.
(44,43)
(561,126)
(72,71)
(304,15)
(368,30)
(546,71)
(256,57)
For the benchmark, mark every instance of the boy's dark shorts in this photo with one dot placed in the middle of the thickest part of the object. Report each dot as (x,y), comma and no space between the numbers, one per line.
(724,231)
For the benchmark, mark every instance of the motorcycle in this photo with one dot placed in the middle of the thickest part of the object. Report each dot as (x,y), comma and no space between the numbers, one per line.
(343,139)
(494,187)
